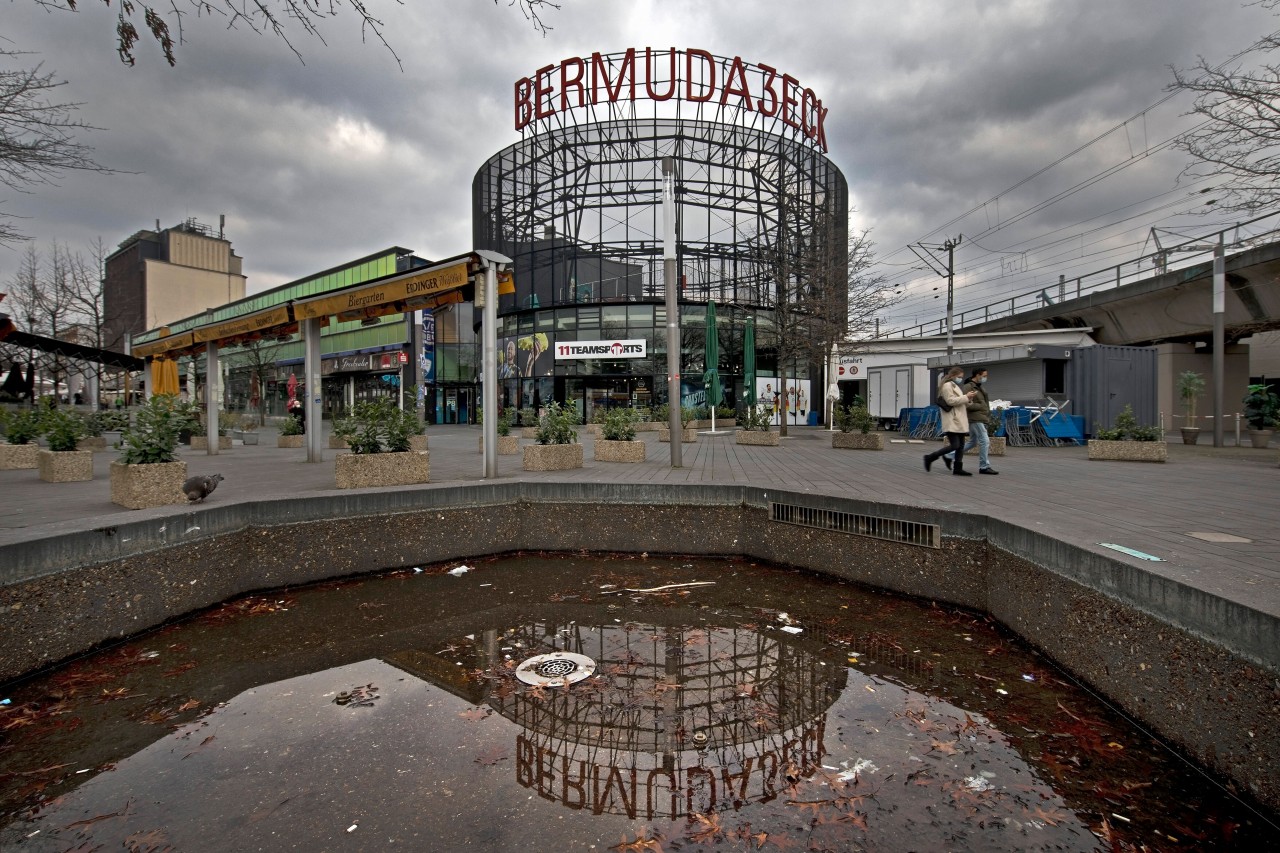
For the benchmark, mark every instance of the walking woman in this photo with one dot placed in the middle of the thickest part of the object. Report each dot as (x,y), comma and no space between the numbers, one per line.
(955,421)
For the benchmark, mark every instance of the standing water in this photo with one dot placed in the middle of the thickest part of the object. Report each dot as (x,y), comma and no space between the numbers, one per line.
(589,703)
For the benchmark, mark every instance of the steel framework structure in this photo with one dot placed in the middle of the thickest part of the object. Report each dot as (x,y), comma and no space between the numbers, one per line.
(579,209)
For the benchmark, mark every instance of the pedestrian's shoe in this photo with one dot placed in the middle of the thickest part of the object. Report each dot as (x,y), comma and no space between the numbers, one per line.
(946,460)
(928,462)
(988,471)
(960,472)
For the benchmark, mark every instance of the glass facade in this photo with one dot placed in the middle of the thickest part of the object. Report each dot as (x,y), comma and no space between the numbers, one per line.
(579,210)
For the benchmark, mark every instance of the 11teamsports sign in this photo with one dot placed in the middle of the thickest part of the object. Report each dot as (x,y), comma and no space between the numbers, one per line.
(601,349)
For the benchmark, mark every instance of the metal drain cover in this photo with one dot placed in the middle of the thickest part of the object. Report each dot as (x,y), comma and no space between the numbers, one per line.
(557,669)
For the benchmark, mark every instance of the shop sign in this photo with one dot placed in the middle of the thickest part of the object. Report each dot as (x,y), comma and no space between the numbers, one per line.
(576,350)
(373,297)
(850,368)
(346,364)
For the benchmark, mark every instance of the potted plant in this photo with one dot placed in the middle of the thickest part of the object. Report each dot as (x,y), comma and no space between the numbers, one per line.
(529,423)
(249,429)
(378,434)
(1190,387)
(93,439)
(64,461)
(508,444)
(1128,442)
(598,415)
(292,433)
(854,423)
(557,448)
(1262,413)
(687,432)
(20,451)
(617,442)
(200,438)
(114,423)
(755,426)
(726,417)
(148,472)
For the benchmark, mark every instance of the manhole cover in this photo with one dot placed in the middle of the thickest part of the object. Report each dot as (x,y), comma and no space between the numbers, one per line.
(556,669)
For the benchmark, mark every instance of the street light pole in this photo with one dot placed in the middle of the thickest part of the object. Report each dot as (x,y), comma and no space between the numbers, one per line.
(672,287)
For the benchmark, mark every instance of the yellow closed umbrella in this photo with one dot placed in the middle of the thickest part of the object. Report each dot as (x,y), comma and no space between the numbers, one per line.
(164,376)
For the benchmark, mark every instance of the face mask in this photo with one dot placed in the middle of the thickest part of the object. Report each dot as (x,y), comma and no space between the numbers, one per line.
(959,380)
(981,379)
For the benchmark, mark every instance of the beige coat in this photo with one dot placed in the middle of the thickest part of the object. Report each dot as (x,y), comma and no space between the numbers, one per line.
(956,420)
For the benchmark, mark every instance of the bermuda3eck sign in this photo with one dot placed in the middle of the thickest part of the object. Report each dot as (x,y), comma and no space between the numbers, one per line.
(690,76)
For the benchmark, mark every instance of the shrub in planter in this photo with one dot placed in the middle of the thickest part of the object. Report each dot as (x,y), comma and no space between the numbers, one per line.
(378,434)
(64,462)
(1190,387)
(754,426)
(618,438)
(508,444)
(1262,412)
(854,423)
(148,472)
(21,429)
(291,432)
(1127,441)
(557,448)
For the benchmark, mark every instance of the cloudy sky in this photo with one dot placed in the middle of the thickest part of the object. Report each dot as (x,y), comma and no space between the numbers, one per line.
(940,110)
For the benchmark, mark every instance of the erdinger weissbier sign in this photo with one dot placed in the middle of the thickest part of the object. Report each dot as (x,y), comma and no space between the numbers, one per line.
(730,86)
(570,350)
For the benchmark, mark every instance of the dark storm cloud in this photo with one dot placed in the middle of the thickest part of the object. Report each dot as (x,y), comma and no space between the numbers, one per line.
(935,107)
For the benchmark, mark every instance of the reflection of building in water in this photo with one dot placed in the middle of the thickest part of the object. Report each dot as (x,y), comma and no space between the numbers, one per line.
(677,719)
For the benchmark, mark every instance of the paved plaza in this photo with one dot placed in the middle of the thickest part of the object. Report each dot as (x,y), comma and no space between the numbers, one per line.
(1209,514)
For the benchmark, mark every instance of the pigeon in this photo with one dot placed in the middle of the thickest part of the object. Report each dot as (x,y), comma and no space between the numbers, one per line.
(197,488)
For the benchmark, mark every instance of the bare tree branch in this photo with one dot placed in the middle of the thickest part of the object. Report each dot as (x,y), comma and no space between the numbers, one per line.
(1239,137)
(281,18)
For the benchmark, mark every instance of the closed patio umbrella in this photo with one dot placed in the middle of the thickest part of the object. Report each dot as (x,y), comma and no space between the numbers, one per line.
(749,362)
(711,378)
(164,376)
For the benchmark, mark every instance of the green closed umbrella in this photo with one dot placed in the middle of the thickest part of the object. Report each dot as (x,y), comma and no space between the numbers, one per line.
(711,378)
(749,362)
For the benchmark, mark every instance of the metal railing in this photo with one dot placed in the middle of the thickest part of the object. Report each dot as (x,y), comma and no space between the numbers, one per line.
(1198,253)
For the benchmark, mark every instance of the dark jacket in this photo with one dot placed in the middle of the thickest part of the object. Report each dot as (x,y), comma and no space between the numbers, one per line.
(980,406)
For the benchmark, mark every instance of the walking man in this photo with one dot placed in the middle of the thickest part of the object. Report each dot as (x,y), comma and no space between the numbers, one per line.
(979,409)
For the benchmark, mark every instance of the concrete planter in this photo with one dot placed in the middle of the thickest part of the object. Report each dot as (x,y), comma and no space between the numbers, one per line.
(66,466)
(17,457)
(249,438)
(367,470)
(1129,451)
(529,432)
(552,457)
(997,446)
(418,443)
(721,423)
(201,442)
(857,440)
(688,435)
(111,437)
(143,486)
(593,429)
(757,438)
(1260,437)
(96,443)
(619,451)
(336,443)
(650,426)
(295,441)
(508,445)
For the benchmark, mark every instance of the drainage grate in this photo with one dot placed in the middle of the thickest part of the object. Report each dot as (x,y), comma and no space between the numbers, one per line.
(557,669)
(888,529)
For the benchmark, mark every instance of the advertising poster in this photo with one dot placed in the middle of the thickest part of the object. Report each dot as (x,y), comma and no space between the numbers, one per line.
(526,355)
(795,406)
(428,357)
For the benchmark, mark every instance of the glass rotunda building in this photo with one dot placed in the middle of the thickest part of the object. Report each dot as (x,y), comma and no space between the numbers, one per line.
(577,204)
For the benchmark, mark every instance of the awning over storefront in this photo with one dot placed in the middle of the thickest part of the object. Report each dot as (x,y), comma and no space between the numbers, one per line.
(67,349)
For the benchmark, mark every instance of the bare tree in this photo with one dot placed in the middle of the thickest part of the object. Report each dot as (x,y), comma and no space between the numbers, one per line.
(259,357)
(281,18)
(1239,138)
(37,134)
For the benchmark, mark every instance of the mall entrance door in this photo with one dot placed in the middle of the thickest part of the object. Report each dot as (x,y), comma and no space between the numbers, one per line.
(456,404)
(590,393)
